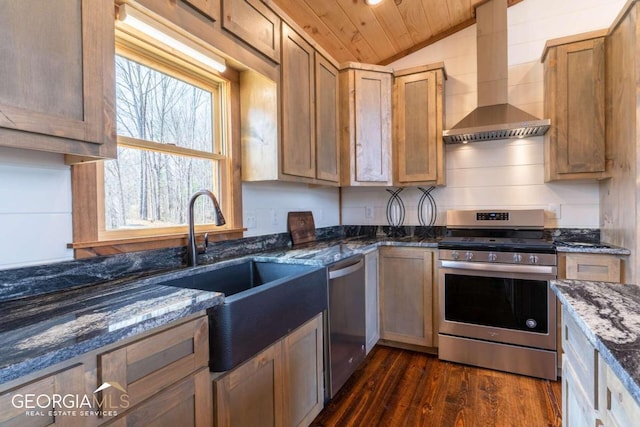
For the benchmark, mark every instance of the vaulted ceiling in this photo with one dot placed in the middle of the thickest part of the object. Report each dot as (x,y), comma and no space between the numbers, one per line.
(351,30)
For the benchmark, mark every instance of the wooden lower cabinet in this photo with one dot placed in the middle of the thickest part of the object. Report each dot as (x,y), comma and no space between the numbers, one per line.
(149,365)
(281,386)
(159,379)
(617,406)
(250,395)
(406,296)
(592,394)
(577,410)
(187,403)
(372,318)
(14,404)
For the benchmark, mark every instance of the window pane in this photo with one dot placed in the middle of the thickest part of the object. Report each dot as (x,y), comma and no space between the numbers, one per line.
(146,189)
(154,106)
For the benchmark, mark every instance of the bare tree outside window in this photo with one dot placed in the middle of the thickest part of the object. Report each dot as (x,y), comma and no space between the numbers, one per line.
(146,187)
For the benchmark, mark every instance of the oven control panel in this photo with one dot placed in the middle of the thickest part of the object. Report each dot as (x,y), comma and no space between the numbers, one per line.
(496,257)
(492,216)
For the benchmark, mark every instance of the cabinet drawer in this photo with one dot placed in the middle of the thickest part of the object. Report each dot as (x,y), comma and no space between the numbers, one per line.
(582,355)
(604,268)
(617,406)
(145,367)
(14,405)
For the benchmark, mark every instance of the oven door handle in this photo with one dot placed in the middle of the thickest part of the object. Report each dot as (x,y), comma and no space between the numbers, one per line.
(500,268)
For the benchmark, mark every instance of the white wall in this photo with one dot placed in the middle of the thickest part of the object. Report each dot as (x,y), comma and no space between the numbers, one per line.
(508,173)
(265,205)
(35,208)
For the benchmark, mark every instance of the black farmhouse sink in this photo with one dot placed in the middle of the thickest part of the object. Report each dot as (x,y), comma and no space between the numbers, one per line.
(263,302)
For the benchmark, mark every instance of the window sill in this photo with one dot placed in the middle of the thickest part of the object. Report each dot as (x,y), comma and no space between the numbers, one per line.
(134,244)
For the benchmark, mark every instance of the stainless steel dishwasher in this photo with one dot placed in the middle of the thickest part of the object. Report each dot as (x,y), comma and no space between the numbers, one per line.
(346,321)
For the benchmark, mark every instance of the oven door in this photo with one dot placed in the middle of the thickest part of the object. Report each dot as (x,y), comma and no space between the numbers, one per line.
(510,304)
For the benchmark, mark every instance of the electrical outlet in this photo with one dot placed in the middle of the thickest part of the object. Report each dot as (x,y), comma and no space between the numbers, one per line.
(250,221)
(368,212)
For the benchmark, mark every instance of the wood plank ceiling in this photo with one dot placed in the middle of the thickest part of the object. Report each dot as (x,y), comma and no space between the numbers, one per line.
(351,30)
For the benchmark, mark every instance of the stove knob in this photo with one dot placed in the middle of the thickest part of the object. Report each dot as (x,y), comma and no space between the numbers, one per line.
(455,255)
(533,259)
(517,258)
(468,256)
(493,257)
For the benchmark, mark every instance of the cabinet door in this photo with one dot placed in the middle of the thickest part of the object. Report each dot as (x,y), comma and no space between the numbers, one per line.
(302,353)
(251,394)
(617,406)
(418,128)
(57,80)
(146,366)
(575,103)
(298,111)
(327,137)
(254,23)
(406,280)
(576,408)
(69,381)
(187,403)
(372,127)
(372,322)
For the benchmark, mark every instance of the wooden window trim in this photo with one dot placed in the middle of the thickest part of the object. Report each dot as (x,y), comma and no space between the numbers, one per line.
(87,187)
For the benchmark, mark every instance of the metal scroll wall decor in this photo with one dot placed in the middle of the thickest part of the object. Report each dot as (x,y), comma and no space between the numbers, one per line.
(427,208)
(395,208)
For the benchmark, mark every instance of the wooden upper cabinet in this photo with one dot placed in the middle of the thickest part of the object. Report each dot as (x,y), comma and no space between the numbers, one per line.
(57,81)
(209,8)
(418,118)
(365,125)
(574,86)
(327,138)
(298,105)
(253,22)
(304,116)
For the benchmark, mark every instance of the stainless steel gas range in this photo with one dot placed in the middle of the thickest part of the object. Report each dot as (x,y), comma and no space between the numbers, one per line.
(496,307)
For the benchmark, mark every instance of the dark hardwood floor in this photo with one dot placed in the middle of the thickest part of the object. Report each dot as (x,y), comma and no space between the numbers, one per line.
(403,388)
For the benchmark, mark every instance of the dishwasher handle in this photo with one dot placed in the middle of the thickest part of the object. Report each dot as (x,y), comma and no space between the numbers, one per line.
(334,274)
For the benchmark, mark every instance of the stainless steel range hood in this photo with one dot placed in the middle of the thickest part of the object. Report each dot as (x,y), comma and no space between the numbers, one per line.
(494,118)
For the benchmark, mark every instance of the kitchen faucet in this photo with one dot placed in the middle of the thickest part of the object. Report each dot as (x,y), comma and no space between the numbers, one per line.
(218,219)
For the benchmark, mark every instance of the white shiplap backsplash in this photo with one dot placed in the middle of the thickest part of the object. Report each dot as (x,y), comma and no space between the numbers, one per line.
(35,208)
(508,173)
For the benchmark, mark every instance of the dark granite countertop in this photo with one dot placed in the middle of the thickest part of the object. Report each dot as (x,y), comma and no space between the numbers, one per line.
(609,315)
(52,313)
(40,331)
(330,251)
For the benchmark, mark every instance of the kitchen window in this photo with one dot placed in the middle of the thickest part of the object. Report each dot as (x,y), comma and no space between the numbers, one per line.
(173,132)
